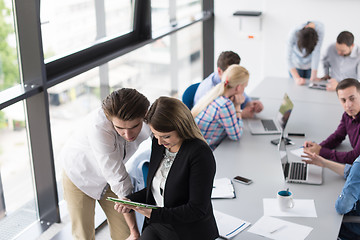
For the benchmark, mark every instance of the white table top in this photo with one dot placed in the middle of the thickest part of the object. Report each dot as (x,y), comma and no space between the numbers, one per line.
(256,158)
(280,85)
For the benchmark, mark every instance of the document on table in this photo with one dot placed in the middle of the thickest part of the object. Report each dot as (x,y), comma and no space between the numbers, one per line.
(275,228)
(298,152)
(302,208)
(223,188)
(229,226)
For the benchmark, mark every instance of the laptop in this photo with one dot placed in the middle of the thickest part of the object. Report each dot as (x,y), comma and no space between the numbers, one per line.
(299,172)
(272,126)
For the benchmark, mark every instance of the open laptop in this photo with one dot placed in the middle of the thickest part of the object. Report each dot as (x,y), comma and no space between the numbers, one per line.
(299,172)
(275,125)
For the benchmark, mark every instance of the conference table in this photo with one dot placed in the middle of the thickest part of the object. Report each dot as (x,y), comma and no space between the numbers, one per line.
(275,87)
(256,158)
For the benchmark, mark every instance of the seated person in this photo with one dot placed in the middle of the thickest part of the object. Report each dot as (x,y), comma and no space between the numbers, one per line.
(348,91)
(303,51)
(348,201)
(180,178)
(249,107)
(342,60)
(218,113)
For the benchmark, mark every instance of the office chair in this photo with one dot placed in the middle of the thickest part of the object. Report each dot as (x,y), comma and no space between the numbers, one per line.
(188,95)
(145,169)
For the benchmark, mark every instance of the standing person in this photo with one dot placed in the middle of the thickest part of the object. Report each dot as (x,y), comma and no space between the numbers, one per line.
(348,201)
(348,91)
(303,51)
(218,114)
(249,107)
(180,177)
(342,60)
(93,162)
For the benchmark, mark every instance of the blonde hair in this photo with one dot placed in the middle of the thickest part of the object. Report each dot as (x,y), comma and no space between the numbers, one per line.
(169,114)
(232,77)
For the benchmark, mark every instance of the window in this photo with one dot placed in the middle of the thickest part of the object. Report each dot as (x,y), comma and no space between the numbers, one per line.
(9,68)
(71,25)
(17,195)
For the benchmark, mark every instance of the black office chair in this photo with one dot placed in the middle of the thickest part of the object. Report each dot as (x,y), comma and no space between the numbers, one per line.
(188,95)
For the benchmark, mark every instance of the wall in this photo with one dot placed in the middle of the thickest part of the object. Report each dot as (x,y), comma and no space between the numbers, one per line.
(265,54)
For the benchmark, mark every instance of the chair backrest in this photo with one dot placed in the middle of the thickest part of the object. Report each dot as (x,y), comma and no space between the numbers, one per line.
(145,169)
(188,95)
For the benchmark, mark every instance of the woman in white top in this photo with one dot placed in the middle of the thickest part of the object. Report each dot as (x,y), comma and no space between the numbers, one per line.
(93,162)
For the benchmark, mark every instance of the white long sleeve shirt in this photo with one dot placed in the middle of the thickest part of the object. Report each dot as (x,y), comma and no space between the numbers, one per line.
(94,157)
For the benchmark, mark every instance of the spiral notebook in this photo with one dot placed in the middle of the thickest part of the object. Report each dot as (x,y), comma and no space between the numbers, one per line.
(223,188)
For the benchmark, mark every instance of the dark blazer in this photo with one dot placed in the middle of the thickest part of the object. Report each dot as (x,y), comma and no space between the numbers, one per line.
(187,195)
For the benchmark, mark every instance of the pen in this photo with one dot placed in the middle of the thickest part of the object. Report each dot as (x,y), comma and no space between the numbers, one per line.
(277,229)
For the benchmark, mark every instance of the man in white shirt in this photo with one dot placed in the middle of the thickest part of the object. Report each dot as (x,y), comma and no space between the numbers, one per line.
(93,162)
(342,60)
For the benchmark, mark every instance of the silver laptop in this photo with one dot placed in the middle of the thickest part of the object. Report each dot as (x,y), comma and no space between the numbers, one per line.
(299,172)
(275,125)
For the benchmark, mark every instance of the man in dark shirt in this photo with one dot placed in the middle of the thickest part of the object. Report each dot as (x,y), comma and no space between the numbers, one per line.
(348,91)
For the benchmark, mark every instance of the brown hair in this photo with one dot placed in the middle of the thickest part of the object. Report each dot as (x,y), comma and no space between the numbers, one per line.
(169,114)
(226,59)
(307,39)
(126,104)
(345,37)
(348,82)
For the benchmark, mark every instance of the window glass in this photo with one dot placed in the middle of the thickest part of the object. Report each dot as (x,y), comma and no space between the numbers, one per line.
(187,9)
(17,195)
(162,13)
(9,68)
(159,14)
(71,25)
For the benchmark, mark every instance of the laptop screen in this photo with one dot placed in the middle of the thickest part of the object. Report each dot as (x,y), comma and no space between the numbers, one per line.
(284,112)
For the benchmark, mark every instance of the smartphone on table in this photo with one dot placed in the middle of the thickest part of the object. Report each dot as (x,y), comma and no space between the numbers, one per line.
(242,180)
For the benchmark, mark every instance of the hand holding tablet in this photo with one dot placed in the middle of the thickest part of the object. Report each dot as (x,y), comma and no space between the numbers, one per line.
(132,203)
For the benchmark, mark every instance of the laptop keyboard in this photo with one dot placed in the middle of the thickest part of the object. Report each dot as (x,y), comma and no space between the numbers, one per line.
(298,171)
(269,125)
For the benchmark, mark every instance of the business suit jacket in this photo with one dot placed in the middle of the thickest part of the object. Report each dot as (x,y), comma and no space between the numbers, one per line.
(187,195)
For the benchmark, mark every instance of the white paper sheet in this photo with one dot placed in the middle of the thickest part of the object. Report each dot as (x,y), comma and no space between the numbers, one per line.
(229,226)
(275,228)
(302,208)
(298,152)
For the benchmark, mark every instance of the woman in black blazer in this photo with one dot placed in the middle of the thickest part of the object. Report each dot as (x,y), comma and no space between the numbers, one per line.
(180,177)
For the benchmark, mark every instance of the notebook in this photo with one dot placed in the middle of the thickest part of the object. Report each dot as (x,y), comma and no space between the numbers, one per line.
(299,172)
(273,126)
(223,188)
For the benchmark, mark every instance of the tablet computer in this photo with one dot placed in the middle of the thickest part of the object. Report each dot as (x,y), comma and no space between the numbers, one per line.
(132,203)
(321,86)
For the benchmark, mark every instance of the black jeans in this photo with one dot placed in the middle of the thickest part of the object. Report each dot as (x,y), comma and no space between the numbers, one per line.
(158,231)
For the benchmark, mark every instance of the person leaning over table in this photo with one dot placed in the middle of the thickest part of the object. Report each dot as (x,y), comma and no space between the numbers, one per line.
(348,92)
(342,60)
(303,51)
(218,113)
(348,201)
(249,107)
(180,177)
(93,162)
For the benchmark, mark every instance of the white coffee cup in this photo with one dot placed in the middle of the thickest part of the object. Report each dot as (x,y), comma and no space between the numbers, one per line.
(285,200)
